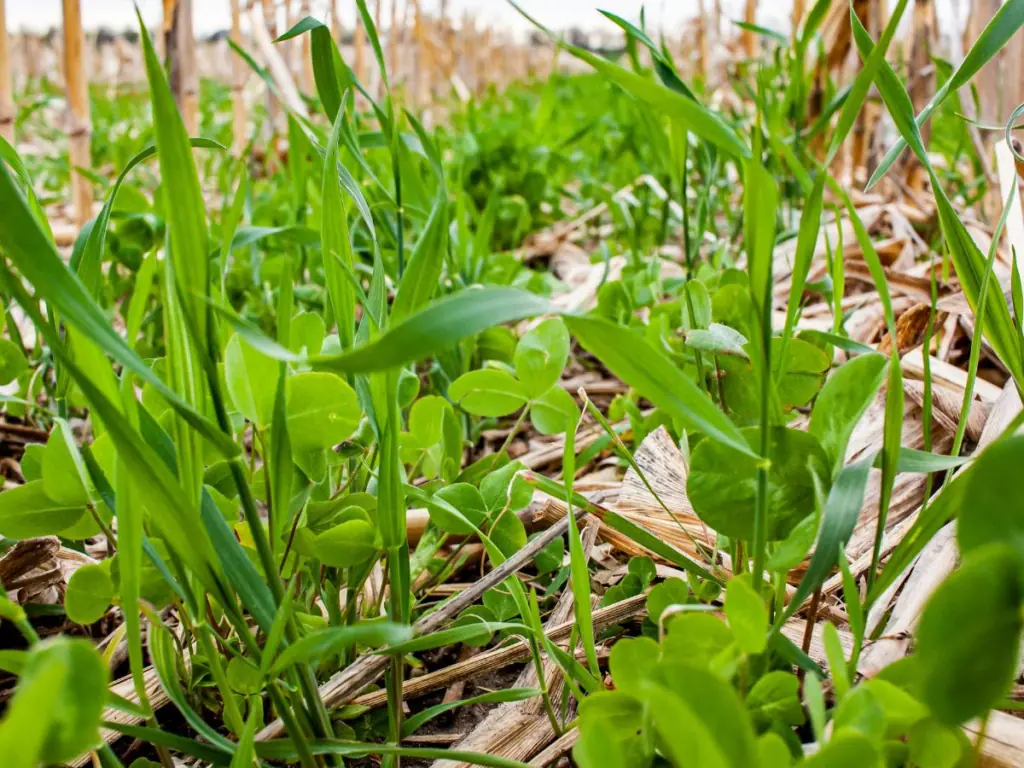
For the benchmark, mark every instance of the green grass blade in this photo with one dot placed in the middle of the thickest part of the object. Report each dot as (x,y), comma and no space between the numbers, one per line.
(36,258)
(838,519)
(437,327)
(862,83)
(997,33)
(657,378)
(335,242)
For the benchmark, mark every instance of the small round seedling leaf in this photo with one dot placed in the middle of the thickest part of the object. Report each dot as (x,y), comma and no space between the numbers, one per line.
(722,485)
(969,636)
(322,410)
(643,568)
(672,591)
(346,544)
(541,355)
(90,591)
(554,412)
(488,392)
(26,511)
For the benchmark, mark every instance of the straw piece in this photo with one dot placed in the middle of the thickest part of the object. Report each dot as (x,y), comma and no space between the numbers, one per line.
(79,126)
(6,82)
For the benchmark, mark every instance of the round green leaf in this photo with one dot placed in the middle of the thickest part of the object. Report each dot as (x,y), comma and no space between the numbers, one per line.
(58,705)
(747,614)
(969,636)
(26,511)
(722,485)
(541,355)
(322,411)
(347,544)
(996,505)
(466,500)
(243,676)
(63,470)
(90,591)
(251,378)
(672,591)
(488,392)
(12,362)
(554,412)
(696,638)
(308,333)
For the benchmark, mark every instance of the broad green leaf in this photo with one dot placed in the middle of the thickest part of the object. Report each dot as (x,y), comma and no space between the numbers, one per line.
(307,333)
(346,544)
(847,749)
(748,616)
(554,412)
(488,392)
(847,393)
(934,745)
(89,593)
(717,339)
(541,355)
(657,378)
(250,377)
(716,704)
(64,477)
(722,484)
(993,514)
(58,705)
(695,638)
(470,504)
(670,592)
(322,411)
(776,698)
(26,511)
(799,368)
(968,640)
(12,362)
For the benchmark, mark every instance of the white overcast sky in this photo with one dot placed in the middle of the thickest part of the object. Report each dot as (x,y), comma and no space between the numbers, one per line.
(214,15)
